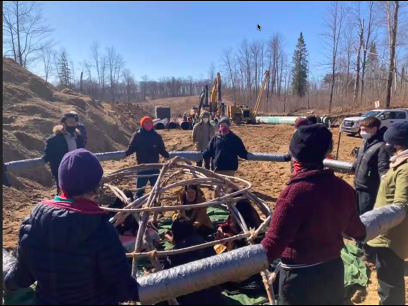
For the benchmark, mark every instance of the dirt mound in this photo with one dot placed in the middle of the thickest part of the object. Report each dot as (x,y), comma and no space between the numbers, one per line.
(32,107)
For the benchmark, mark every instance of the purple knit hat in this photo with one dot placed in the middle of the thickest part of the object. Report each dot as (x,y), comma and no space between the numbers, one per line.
(79,172)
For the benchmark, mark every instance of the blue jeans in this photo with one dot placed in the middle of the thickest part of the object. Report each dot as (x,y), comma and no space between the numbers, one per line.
(142,181)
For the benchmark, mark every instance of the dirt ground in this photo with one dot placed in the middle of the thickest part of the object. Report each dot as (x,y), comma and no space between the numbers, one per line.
(268,179)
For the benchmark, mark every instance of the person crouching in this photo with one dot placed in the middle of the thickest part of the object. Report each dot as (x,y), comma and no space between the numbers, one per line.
(68,246)
(307,227)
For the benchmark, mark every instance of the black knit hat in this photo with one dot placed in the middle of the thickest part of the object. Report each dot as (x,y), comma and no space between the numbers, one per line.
(312,119)
(310,143)
(397,134)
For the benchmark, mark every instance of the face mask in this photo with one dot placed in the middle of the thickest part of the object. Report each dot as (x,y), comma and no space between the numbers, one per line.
(71,129)
(366,135)
(205,120)
(224,130)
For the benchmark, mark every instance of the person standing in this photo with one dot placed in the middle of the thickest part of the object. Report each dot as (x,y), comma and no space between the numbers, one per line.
(202,134)
(311,216)
(391,248)
(68,246)
(372,164)
(147,144)
(224,149)
(66,138)
(81,128)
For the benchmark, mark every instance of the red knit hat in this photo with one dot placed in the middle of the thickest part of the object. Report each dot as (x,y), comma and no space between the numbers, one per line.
(144,119)
(301,121)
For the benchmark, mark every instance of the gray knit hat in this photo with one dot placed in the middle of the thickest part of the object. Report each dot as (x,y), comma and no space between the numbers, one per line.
(225,120)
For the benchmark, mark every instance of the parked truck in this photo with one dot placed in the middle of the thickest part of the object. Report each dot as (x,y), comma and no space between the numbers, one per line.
(388,117)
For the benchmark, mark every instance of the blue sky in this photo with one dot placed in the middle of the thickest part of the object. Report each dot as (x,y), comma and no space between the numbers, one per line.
(180,38)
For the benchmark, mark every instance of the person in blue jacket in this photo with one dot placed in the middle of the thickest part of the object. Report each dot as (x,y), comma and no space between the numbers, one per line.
(68,246)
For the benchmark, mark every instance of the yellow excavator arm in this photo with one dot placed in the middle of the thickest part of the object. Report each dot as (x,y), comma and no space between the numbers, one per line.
(215,97)
(261,91)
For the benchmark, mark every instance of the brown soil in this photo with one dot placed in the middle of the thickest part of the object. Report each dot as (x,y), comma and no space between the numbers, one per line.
(29,113)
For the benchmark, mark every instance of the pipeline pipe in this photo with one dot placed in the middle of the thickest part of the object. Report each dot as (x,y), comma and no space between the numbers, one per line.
(205,273)
(194,156)
(161,124)
(173,124)
(184,124)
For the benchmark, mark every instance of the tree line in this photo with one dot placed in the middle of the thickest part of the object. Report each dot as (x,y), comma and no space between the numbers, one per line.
(364,46)
(365,54)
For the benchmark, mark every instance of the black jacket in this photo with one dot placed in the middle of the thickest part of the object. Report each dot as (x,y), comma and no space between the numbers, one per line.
(148,146)
(224,151)
(56,147)
(210,296)
(372,162)
(76,258)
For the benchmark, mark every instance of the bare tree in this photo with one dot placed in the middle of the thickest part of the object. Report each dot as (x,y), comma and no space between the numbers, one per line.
(360,45)
(227,58)
(334,24)
(115,65)
(393,24)
(46,55)
(24,31)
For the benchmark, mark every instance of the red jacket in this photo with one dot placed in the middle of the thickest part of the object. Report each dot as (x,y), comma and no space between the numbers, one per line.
(311,215)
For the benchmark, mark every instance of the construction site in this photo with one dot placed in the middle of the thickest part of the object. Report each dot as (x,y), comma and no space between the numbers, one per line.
(32,107)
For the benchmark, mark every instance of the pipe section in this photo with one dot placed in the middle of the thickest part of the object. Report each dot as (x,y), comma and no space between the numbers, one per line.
(173,124)
(235,265)
(160,124)
(184,124)
(194,156)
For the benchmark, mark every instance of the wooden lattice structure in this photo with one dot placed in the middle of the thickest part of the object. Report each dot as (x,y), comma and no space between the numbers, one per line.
(146,208)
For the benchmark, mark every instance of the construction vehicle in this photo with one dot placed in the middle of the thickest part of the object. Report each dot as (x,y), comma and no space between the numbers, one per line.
(243,113)
(215,106)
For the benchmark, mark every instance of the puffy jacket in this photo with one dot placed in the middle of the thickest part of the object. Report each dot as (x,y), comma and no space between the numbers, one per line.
(75,255)
(148,146)
(310,218)
(372,163)
(199,140)
(56,147)
(394,190)
(224,151)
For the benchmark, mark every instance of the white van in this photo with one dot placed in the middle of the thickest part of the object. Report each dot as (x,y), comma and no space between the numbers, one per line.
(388,117)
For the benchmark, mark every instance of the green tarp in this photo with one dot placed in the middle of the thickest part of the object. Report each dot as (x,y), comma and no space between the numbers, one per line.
(355,269)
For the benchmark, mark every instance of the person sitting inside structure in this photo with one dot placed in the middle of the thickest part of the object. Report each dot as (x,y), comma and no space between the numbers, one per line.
(130,226)
(192,194)
(68,246)
(231,228)
(184,236)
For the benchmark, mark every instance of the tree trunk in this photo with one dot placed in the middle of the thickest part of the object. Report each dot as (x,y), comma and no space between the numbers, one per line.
(80,82)
(20,56)
(392,55)
(357,84)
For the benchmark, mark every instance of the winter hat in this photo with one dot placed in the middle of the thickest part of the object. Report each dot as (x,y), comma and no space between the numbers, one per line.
(67,115)
(144,119)
(300,122)
(397,134)
(79,172)
(312,119)
(75,114)
(205,114)
(225,120)
(310,143)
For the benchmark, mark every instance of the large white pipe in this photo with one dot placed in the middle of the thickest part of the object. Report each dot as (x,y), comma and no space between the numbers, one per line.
(191,155)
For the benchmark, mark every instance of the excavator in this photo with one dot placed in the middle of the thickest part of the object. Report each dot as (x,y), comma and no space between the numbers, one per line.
(243,113)
(215,106)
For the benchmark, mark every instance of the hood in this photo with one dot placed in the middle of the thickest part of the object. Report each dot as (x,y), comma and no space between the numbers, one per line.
(200,197)
(399,159)
(62,229)
(142,130)
(354,119)
(58,130)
